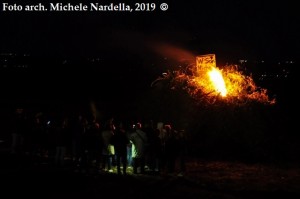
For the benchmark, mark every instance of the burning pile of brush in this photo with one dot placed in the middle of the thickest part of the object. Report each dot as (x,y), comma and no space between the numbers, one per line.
(206,82)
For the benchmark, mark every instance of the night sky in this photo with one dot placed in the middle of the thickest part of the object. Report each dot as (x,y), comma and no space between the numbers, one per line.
(230,27)
(131,49)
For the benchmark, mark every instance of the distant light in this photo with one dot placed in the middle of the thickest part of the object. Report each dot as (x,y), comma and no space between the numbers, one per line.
(242,61)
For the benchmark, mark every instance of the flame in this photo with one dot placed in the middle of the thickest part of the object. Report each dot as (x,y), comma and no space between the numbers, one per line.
(205,81)
(218,81)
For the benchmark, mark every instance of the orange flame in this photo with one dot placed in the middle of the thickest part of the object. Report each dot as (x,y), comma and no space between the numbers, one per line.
(218,81)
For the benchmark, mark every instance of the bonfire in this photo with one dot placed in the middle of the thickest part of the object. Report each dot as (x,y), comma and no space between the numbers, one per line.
(205,81)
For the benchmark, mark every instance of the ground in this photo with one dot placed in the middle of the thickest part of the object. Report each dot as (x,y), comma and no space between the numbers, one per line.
(203,179)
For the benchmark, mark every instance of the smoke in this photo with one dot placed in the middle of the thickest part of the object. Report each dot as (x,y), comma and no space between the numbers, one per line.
(172,52)
(165,45)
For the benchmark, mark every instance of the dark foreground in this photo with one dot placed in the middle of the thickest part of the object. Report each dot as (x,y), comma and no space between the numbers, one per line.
(203,179)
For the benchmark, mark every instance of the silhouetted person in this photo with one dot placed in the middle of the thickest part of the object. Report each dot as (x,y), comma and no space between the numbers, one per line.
(130,130)
(182,147)
(37,136)
(171,149)
(150,147)
(77,129)
(94,143)
(162,135)
(107,149)
(139,140)
(19,130)
(61,142)
(120,142)
(156,152)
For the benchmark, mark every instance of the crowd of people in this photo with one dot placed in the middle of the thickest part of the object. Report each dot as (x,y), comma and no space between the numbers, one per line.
(110,145)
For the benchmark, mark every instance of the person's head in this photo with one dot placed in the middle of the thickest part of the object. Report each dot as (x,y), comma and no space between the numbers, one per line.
(160,125)
(119,124)
(138,125)
(168,127)
(19,110)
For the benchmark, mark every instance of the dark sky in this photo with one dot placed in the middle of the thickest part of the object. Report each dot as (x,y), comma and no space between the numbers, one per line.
(227,28)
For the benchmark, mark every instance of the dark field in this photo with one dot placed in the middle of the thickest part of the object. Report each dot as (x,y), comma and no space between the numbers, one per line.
(203,179)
